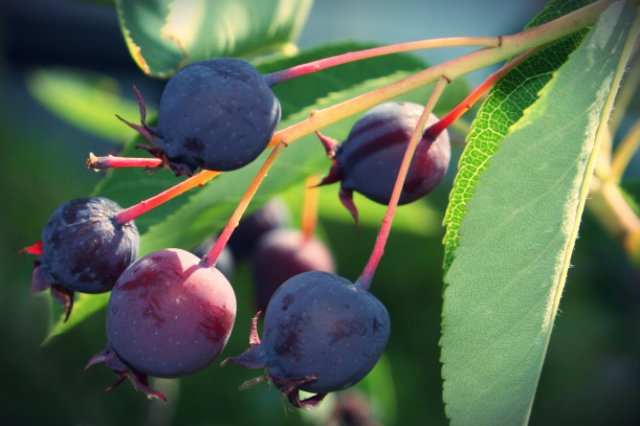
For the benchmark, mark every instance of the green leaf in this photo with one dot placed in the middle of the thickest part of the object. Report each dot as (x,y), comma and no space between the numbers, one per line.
(188,220)
(504,107)
(84,306)
(164,35)
(504,285)
(85,100)
(631,192)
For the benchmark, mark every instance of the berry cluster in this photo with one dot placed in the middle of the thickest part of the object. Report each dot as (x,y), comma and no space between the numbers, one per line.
(171,312)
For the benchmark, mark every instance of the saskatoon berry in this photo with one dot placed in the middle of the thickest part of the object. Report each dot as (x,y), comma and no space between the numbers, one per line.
(369,160)
(225,262)
(84,249)
(169,315)
(217,114)
(321,333)
(245,238)
(282,254)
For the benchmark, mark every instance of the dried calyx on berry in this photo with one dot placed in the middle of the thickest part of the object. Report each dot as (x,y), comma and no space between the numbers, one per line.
(169,315)
(83,248)
(322,333)
(217,114)
(369,159)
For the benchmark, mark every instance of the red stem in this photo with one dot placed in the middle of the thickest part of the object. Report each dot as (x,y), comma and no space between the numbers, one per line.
(142,207)
(364,281)
(212,257)
(310,207)
(111,162)
(321,64)
(434,131)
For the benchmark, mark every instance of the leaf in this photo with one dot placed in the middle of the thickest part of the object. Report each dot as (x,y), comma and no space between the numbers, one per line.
(188,220)
(504,107)
(85,100)
(84,306)
(631,192)
(164,35)
(504,285)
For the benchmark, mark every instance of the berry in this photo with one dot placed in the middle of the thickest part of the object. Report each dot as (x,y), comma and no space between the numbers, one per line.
(369,160)
(282,254)
(84,249)
(168,316)
(321,334)
(245,238)
(217,114)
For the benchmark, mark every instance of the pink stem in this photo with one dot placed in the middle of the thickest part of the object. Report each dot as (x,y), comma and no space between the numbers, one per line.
(434,131)
(321,64)
(364,281)
(310,207)
(111,162)
(142,207)
(212,257)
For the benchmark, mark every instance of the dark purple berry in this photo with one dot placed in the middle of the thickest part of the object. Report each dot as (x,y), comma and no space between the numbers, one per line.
(245,238)
(283,253)
(217,114)
(169,315)
(369,160)
(84,249)
(321,333)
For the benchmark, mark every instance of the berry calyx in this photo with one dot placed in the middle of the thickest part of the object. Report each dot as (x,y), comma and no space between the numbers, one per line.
(169,315)
(369,159)
(321,334)
(83,248)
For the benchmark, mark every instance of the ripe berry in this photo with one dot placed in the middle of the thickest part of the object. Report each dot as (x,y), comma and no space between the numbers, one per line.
(321,333)
(369,160)
(217,114)
(169,315)
(245,238)
(282,254)
(84,249)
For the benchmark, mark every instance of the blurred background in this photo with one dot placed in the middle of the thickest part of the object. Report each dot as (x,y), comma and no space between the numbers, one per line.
(592,372)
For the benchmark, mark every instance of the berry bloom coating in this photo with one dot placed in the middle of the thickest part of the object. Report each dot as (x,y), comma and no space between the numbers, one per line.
(274,214)
(282,254)
(321,334)
(84,249)
(168,316)
(218,114)
(369,160)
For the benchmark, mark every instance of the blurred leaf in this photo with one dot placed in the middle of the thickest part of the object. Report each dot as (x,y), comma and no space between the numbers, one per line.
(504,106)
(164,35)
(505,283)
(84,306)
(188,220)
(86,100)
(631,191)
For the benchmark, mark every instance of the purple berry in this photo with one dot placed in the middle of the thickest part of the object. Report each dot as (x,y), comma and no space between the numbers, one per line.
(245,238)
(283,253)
(321,334)
(369,160)
(217,114)
(168,316)
(84,249)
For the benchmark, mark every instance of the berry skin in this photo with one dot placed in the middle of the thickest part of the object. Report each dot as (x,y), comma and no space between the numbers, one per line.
(369,160)
(168,316)
(281,254)
(217,114)
(274,214)
(84,249)
(321,334)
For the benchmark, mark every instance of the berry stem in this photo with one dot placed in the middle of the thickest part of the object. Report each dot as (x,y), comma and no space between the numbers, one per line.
(111,162)
(324,63)
(511,45)
(310,207)
(434,131)
(623,154)
(364,281)
(142,207)
(212,257)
